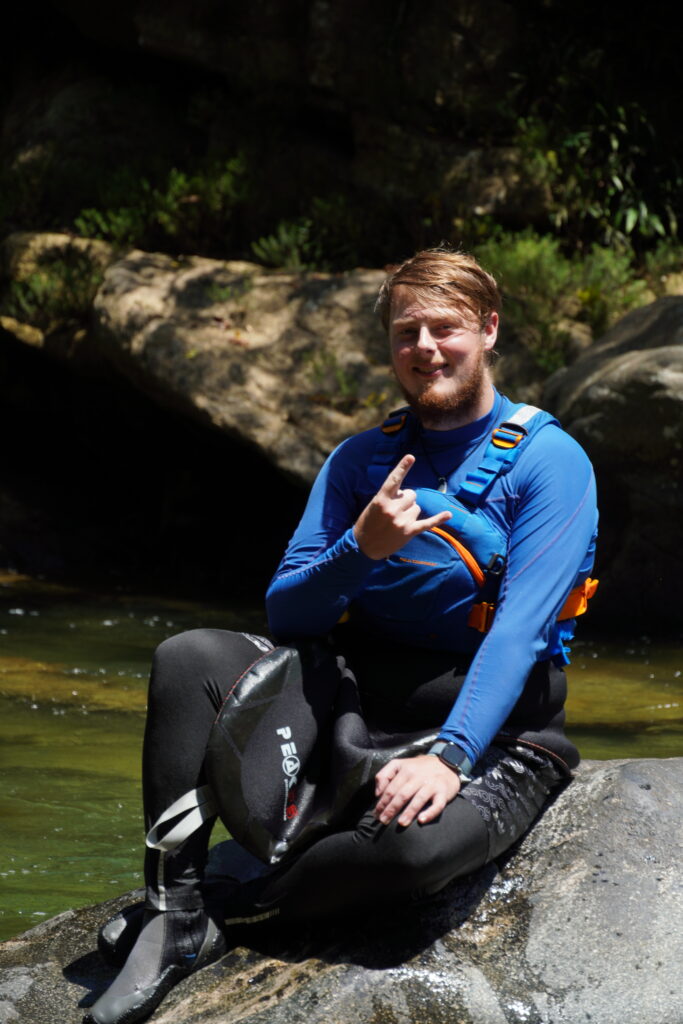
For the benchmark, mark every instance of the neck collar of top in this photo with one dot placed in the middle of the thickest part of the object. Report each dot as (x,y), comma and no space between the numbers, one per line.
(463,436)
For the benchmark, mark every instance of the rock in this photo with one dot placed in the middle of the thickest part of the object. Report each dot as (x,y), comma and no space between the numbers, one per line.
(288,363)
(24,333)
(673,284)
(623,401)
(466,179)
(583,921)
(47,284)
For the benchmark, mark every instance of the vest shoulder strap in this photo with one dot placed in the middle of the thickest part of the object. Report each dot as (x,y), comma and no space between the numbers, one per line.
(386,453)
(502,451)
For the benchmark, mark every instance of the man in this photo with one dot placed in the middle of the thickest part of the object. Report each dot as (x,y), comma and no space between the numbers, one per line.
(446,555)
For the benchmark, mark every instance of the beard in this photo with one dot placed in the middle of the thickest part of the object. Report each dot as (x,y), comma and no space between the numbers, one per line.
(435,410)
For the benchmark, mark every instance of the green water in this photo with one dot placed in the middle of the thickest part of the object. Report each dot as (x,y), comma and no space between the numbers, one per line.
(73,671)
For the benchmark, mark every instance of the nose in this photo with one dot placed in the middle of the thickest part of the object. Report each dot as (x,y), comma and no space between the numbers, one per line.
(425,339)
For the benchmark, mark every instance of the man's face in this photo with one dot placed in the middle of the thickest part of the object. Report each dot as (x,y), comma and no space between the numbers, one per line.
(439,357)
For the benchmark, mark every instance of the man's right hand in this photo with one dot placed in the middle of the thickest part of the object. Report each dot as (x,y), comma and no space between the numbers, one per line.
(392,517)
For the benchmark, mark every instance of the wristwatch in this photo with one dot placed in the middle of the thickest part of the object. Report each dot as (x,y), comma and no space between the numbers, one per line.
(454,757)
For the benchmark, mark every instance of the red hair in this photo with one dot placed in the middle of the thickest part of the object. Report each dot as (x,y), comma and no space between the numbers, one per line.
(455,278)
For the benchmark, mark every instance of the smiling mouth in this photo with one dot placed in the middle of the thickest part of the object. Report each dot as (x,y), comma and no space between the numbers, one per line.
(429,371)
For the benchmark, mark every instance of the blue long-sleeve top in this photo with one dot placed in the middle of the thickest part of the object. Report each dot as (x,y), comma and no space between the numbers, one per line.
(545,505)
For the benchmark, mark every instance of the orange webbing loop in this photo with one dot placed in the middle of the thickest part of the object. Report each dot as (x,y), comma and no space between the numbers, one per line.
(481,615)
(392,426)
(577,600)
(504,437)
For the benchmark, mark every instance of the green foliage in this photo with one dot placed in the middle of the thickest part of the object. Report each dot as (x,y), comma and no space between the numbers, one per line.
(290,247)
(62,288)
(607,286)
(666,258)
(182,213)
(216,292)
(602,175)
(328,237)
(542,287)
(532,274)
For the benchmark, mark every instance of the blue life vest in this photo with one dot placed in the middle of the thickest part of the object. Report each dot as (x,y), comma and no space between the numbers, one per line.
(455,568)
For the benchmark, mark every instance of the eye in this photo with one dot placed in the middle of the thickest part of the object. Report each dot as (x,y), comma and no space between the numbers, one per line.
(450,327)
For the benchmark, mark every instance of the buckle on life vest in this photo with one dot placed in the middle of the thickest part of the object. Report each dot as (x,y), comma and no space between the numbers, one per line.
(394,422)
(481,616)
(508,435)
(577,601)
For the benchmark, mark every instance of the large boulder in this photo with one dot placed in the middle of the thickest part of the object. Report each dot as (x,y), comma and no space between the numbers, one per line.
(582,922)
(623,401)
(288,363)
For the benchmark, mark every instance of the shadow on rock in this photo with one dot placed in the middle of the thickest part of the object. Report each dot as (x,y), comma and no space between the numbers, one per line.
(379,939)
(89,972)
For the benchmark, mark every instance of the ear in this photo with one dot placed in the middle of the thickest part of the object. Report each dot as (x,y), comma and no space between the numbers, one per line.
(490,331)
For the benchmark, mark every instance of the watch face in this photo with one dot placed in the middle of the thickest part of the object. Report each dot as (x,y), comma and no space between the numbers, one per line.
(454,757)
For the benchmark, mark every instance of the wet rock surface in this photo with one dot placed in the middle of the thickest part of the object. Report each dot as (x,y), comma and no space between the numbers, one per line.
(581,922)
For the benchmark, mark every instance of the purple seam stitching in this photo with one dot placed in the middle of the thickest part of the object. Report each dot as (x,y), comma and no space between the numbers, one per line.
(557,536)
(505,584)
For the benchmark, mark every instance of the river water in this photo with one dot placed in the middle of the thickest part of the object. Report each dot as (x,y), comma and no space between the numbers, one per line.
(73,672)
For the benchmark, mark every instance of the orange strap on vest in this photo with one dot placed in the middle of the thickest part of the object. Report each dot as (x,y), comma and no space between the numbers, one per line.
(481,615)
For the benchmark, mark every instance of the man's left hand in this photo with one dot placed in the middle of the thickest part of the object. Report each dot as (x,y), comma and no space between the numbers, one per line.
(414,787)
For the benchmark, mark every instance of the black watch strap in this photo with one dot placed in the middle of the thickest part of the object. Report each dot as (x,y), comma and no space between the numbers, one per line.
(454,756)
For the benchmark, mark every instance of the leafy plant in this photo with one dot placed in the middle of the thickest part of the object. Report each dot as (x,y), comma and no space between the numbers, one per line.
(601,176)
(62,288)
(607,286)
(666,258)
(543,287)
(181,213)
(533,275)
(289,247)
(215,292)
(328,237)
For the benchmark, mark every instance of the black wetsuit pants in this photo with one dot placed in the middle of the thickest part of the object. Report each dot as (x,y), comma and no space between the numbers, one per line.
(365,862)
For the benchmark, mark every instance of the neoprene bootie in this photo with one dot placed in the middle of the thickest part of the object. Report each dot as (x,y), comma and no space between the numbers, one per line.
(171,945)
(118,935)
